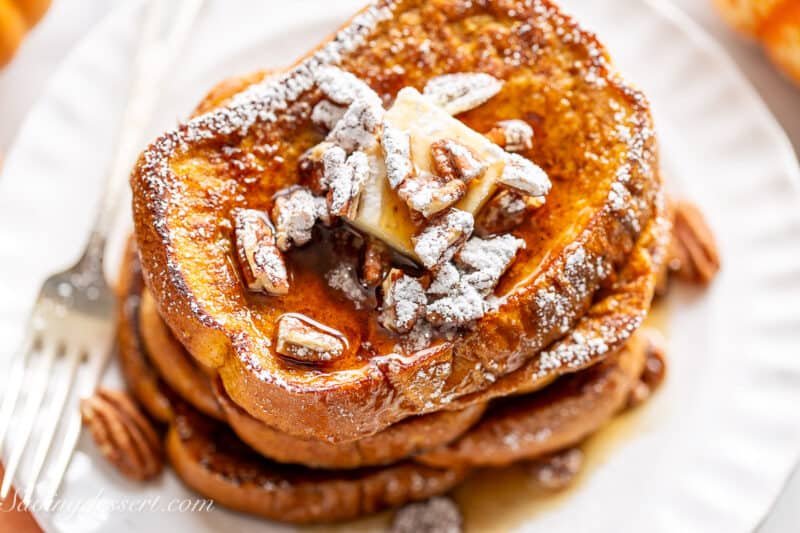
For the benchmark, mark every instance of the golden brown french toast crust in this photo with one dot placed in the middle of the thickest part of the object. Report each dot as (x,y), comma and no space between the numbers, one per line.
(593,137)
(209,458)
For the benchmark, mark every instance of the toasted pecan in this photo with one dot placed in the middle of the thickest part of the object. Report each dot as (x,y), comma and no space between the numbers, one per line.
(694,253)
(123,434)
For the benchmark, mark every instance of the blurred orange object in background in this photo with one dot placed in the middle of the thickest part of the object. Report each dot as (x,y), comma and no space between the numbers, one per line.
(774,23)
(17,17)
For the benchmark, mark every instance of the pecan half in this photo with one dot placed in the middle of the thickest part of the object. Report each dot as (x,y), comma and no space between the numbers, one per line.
(403,301)
(260,259)
(462,91)
(123,434)
(294,214)
(302,340)
(693,253)
(524,176)
(454,160)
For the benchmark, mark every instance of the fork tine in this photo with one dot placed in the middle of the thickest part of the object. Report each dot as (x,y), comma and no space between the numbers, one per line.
(42,375)
(14,386)
(73,432)
(98,359)
(73,359)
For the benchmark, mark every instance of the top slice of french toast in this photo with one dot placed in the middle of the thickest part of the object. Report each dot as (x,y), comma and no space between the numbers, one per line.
(593,136)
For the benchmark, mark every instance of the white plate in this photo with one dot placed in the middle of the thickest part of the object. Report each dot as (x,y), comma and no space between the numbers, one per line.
(709,454)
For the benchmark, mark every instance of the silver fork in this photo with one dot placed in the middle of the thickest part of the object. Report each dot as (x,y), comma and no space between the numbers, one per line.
(72,323)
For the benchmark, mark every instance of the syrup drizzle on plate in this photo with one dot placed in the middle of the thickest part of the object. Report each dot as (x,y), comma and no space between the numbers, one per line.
(500,499)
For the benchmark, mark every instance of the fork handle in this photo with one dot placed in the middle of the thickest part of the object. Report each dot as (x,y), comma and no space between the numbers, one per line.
(157,47)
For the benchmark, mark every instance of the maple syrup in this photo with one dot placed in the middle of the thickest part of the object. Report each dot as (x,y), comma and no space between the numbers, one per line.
(501,499)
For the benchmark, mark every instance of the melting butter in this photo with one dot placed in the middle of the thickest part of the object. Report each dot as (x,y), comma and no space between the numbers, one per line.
(381,212)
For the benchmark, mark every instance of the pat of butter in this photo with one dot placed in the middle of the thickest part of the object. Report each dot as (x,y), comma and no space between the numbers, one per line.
(381,212)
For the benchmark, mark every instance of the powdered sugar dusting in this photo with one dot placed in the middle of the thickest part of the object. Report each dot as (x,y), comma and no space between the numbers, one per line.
(403,302)
(260,102)
(294,215)
(264,107)
(445,281)
(343,277)
(460,306)
(358,127)
(327,114)
(396,146)
(439,241)
(344,179)
(484,261)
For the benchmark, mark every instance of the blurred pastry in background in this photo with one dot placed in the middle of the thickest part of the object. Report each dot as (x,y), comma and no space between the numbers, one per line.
(775,24)
(17,18)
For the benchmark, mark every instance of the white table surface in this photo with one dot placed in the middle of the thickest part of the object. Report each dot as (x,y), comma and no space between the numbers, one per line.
(21,83)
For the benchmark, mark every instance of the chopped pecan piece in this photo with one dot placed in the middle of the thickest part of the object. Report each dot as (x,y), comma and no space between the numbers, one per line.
(333,159)
(427,195)
(461,305)
(460,92)
(376,261)
(123,434)
(311,168)
(439,241)
(303,341)
(505,211)
(403,301)
(326,114)
(323,212)
(453,160)
(294,214)
(557,471)
(445,280)
(693,253)
(261,262)
(358,127)
(396,146)
(513,135)
(524,176)
(345,180)
(484,261)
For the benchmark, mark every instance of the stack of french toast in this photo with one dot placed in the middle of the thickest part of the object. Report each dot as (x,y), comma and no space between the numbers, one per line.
(425,248)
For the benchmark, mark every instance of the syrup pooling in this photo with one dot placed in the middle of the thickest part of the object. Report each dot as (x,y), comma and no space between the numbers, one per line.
(429,161)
